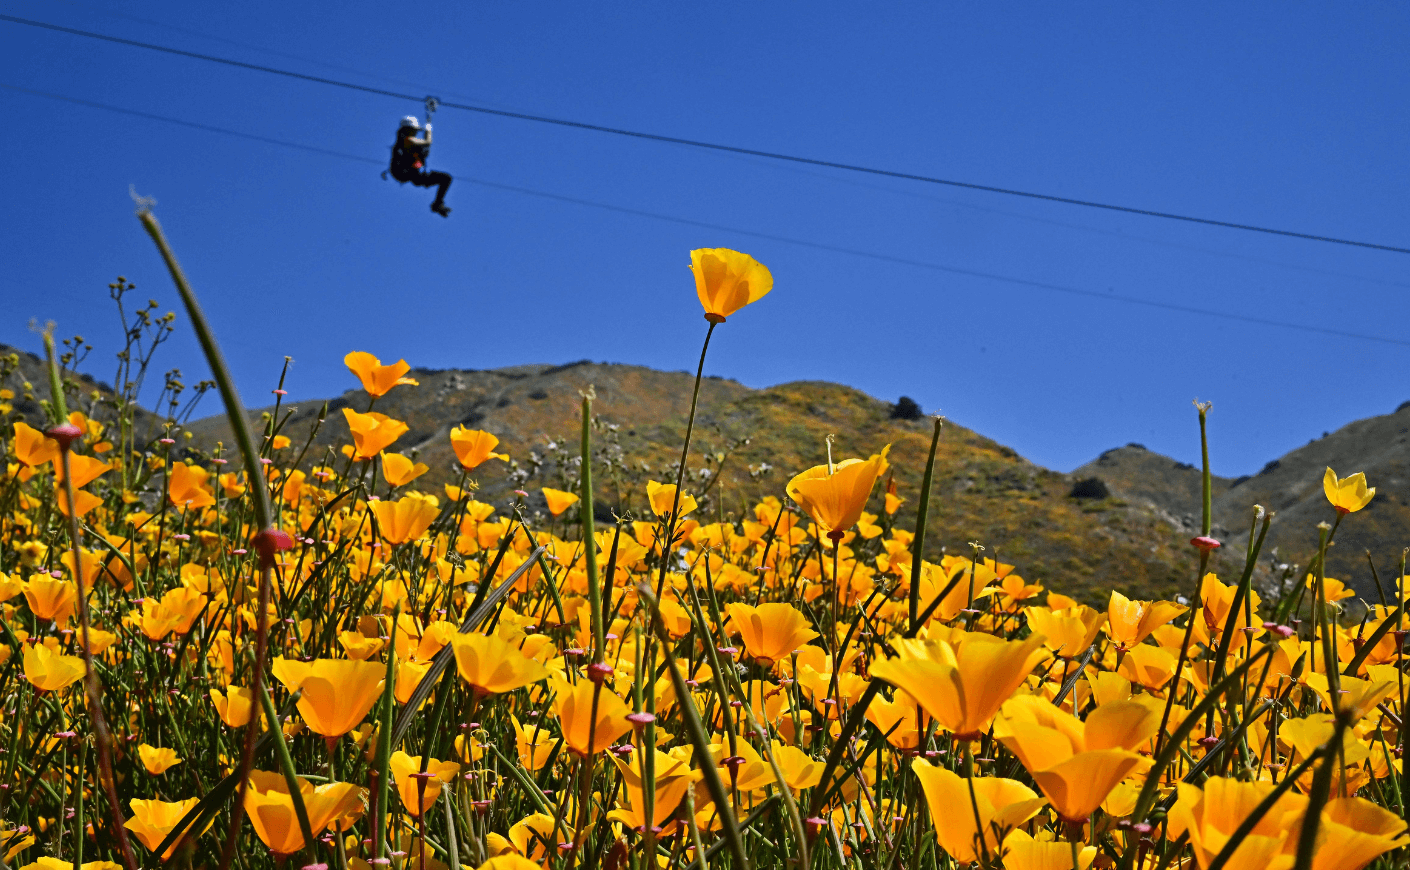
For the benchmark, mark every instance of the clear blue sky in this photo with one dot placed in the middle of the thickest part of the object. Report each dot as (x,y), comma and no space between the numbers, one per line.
(1290,115)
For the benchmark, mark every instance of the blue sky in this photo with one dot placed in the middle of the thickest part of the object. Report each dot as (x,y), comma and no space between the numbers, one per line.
(1293,116)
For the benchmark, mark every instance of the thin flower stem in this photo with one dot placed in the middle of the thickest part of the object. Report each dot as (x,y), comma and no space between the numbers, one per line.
(699,737)
(668,542)
(922,512)
(93,692)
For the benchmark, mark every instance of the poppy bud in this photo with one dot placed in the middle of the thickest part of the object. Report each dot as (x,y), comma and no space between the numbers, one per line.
(269,542)
(65,434)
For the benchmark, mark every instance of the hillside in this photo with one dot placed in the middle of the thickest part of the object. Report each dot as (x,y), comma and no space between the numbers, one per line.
(1126,533)
(753,440)
(1291,486)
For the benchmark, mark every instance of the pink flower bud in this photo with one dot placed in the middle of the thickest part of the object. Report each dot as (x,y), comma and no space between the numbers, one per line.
(269,542)
(66,434)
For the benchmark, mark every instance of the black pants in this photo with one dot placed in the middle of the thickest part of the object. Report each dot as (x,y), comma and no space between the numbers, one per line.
(426,178)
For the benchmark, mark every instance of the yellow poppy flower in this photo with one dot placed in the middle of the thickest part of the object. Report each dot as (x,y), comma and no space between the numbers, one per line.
(400,470)
(1209,815)
(358,646)
(1022,852)
(800,770)
(99,641)
(1003,805)
(1217,597)
(673,775)
(85,469)
(157,760)
(85,500)
(770,632)
(1347,494)
(271,808)
(962,688)
(662,495)
(418,791)
(534,744)
(187,486)
(405,519)
(233,485)
(1067,632)
(474,447)
(1332,588)
(507,861)
(47,863)
(575,708)
(51,598)
(152,820)
(1077,763)
(727,280)
(49,671)
(492,665)
(337,694)
(372,432)
(834,496)
(1354,832)
(32,447)
(376,378)
(155,620)
(234,705)
(409,675)
(1130,622)
(1149,666)
(558,500)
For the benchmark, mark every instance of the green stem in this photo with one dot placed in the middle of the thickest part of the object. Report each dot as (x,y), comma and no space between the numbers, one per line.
(383,763)
(699,736)
(922,511)
(92,690)
(599,631)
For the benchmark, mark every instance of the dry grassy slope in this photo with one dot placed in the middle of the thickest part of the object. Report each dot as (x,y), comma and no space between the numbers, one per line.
(1292,487)
(984,492)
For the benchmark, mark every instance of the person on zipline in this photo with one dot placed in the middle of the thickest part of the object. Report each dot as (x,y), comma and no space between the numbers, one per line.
(409,161)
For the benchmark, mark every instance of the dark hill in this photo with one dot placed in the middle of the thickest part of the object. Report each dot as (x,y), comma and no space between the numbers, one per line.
(1291,486)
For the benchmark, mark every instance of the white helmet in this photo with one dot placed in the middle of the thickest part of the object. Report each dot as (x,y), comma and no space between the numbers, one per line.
(410,121)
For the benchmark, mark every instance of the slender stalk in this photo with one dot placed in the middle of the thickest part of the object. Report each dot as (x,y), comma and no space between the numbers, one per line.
(599,631)
(922,511)
(668,541)
(1206,521)
(699,736)
(1242,593)
(259,499)
(92,691)
(383,763)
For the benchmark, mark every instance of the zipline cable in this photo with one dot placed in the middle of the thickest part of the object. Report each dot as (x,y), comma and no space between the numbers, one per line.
(713,146)
(804,243)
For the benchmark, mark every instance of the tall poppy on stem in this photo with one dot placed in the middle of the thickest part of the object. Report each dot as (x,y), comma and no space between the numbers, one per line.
(834,495)
(726,281)
(376,378)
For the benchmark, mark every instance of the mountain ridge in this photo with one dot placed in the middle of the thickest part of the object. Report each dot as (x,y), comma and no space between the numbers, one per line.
(1129,532)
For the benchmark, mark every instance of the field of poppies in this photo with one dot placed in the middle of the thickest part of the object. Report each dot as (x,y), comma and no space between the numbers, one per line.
(255,654)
